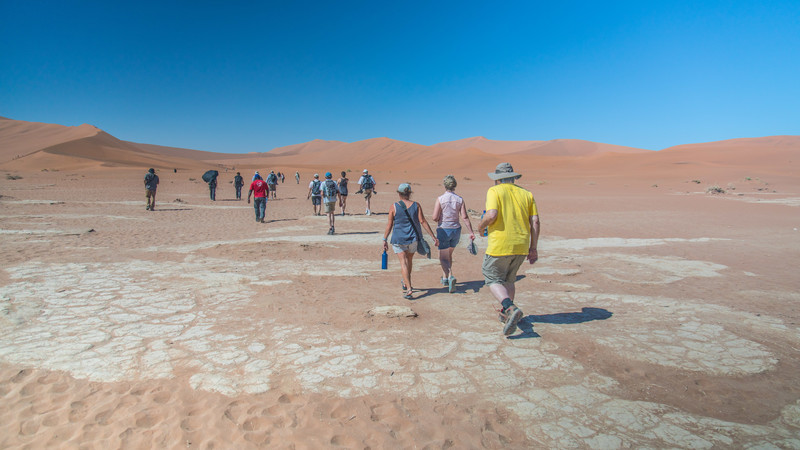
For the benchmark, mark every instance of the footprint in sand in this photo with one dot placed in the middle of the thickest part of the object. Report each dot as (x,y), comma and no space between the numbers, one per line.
(29,427)
(345,441)
(77,411)
(146,419)
(20,376)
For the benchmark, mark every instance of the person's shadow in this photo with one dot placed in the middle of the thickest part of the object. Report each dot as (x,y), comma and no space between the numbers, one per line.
(586,315)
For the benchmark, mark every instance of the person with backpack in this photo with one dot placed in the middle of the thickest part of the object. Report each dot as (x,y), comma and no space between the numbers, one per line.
(272,181)
(330,194)
(367,184)
(261,191)
(212,188)
(150,186)
(297,177)
(405,219)
(238,183)
(315,194)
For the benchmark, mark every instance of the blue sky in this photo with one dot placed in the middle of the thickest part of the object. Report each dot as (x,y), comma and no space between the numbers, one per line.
(241,76)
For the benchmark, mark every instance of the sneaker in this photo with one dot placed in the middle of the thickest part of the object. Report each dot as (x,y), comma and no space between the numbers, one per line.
(333,230)
(510,317)
(444,281)
(451,284)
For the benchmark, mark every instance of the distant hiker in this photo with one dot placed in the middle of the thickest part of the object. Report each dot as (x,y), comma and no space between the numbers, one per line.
(175,170)
(150,186)
(315,194)
(342,182)
(272,181)
(513,223)
(282,176)
(260,192)
(448,209)
(367,187)
(238,183)
(297,177)
(330,195)
(212,188)
(405,218)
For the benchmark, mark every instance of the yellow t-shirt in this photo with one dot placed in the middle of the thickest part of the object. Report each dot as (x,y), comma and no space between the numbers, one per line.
(510,234)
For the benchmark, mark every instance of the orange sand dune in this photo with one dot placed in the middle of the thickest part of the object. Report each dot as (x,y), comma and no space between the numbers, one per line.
(556,147)
(314,146)
(19,138)
(197,155)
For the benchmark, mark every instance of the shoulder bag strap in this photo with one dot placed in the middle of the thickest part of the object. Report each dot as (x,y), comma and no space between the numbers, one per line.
(413,225)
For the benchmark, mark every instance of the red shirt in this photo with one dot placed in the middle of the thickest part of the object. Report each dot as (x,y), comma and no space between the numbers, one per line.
(259,188)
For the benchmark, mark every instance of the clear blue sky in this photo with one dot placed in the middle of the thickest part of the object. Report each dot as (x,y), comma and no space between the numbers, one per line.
(239,76)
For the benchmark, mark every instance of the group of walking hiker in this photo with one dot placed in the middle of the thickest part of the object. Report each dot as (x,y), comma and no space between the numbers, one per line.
(511,221)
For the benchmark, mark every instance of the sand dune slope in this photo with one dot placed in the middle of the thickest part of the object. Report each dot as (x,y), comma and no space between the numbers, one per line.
(556,147)
(19,138)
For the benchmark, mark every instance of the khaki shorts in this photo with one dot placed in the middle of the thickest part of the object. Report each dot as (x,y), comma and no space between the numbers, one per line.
(330,207)
(501,269)
(367,193)
(149,193)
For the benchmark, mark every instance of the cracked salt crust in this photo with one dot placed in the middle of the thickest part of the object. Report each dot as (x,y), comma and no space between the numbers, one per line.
(118,321)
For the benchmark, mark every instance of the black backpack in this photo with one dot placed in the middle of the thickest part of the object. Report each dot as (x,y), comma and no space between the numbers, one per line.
(368,182)
(330,188)
(315,187)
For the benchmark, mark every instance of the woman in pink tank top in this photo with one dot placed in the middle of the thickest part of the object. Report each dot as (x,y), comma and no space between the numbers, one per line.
(447,213)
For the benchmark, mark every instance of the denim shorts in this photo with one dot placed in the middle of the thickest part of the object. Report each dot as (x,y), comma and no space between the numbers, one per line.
(400,248)
(448,237)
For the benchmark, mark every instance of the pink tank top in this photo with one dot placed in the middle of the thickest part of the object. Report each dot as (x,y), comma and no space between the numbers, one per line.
(451,206)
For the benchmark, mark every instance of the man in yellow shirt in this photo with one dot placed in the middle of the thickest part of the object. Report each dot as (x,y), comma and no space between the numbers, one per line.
(513,223)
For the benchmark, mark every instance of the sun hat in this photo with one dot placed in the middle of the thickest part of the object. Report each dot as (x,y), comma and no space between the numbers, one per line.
(502,171)
(328,175)
(316,175)
(365,171)
(404,188)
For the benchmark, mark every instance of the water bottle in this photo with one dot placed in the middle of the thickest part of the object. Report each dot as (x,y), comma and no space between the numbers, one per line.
(384,260)
(486,230)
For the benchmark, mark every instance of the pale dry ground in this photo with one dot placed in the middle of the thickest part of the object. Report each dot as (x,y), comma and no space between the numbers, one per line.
(658,316)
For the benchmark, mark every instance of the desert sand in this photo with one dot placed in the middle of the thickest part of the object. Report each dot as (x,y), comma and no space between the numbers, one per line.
(662,313)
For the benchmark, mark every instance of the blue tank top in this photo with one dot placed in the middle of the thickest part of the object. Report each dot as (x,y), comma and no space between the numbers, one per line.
(403,231)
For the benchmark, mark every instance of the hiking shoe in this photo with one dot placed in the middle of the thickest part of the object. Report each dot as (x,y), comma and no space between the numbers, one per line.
(510,317)
(451,284)
(333,230)
(444,281)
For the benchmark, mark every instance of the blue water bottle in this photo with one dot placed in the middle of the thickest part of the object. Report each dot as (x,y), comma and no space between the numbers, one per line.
(384,260)
(486,230)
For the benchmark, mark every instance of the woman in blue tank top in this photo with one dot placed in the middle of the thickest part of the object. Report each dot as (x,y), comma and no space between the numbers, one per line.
(404,216)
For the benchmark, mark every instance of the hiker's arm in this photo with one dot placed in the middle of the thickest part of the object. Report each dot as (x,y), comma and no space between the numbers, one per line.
(465,216)
(388,228)
(533,252)
(488,219)
(437,211)
(309,193)
(426,226)
(250,192)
